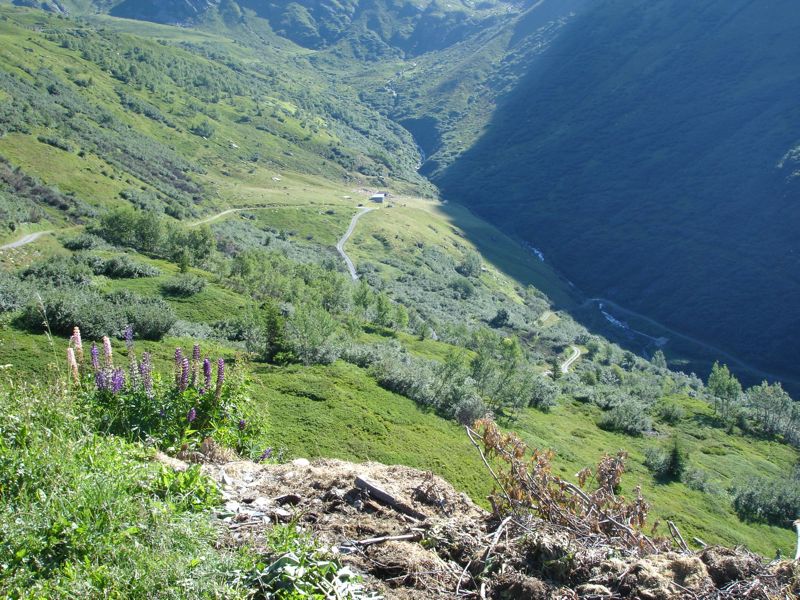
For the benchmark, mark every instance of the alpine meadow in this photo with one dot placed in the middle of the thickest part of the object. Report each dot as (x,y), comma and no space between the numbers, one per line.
(408,299)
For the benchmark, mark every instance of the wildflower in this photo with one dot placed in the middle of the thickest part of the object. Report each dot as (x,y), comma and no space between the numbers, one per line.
(73,365)
(265,455)
(101,381)
(117,380)
(196,365)
(128,337)
(77,342)
(178,366)
(184,382)
(192,415)
(220,377)
(242,424)
(206,375)
(146,374)
(109,359)
(95,357)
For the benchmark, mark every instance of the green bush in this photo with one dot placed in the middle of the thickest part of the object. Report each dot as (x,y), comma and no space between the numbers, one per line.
(628,417)
(62,272)
(124,267)
(183,285)
(98,315)
(773,501)
(666,463)
(14,294)
(84,241)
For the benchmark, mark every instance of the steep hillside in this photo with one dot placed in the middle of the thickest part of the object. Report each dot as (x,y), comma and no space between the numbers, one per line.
(185,196)
(651,154)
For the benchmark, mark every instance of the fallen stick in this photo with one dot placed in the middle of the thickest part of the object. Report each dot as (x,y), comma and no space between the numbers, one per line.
(676,535)
(488,466)
(495,539)
(382,495)
(389,538)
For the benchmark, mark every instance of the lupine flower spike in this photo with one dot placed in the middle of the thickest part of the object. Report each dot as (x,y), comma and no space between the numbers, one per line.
(117,381)
(206,374)
(73,365)
(192,415)
(178,366)
(184,382)
(95,358)
(146,374)
(196,365)
(109,359)
(220,377)
(77,342)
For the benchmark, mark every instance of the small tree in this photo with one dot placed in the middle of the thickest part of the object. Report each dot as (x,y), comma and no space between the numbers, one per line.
(725,390)
(500,319)
(471,265)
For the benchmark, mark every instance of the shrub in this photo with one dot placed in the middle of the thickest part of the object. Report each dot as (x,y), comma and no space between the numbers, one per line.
(14,294)
(98,315)
(84,241)
(773,501)
(59,272)
(671,413)
(124,267)
(311,335)
(628,417)
(667,463)
(183,285)
(543,393)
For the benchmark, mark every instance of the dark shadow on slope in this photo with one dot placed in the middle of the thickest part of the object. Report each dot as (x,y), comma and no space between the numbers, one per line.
(647,155)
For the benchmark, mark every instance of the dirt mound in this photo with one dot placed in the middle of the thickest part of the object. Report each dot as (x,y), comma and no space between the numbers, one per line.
(413,536)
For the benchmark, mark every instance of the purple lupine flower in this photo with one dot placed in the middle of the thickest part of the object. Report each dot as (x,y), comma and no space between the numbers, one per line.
(101,381)
(128,337)
(95,357)
(192,415)
(146,374)
(117,380)
(220,377)
(206,375)
(184,382)
(265,455)
(178,366)
(107,354)
(242,424)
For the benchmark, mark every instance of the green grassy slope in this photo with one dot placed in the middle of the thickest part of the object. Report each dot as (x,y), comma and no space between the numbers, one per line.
(296,203)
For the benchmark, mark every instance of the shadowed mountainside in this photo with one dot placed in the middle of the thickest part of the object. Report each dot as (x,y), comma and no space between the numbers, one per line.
(652,155)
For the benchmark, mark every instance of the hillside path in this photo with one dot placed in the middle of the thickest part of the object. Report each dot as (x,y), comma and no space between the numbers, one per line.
(24,240)
(576,353)
(340,244)
(564,368)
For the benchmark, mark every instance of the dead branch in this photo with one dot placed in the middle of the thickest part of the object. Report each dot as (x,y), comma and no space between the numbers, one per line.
(382,495)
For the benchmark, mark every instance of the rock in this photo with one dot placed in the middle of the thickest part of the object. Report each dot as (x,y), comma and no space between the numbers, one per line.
(301,462)
(168,461)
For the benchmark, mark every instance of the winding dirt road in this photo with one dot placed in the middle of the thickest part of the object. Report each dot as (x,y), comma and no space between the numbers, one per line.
(24,240)
(340,244)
